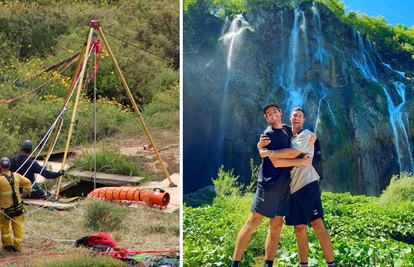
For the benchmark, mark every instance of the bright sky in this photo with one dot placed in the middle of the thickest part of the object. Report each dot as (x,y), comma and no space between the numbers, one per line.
(394,11)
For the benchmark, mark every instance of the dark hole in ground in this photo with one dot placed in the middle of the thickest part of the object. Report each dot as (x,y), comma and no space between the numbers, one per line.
(82,189)
(55,156)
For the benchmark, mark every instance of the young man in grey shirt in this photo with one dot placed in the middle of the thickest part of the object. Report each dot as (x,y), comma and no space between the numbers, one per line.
(306,205)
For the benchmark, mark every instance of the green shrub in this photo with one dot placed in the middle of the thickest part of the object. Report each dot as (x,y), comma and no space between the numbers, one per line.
(226,184)
(254,169)
(102,215)
(199,198)
(401,189)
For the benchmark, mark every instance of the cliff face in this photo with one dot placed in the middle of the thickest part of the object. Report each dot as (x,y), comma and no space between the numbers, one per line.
(355,102)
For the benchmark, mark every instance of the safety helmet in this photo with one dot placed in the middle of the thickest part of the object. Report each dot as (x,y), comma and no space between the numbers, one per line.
(27,144)
(5,162)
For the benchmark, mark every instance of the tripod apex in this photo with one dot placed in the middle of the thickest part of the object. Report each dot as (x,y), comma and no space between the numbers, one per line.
(95,24)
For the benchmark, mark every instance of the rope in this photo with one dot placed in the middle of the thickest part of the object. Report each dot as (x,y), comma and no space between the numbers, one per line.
(43,247)
(92,253)
(49,132)
(11,100)
(55,239)
(139,47)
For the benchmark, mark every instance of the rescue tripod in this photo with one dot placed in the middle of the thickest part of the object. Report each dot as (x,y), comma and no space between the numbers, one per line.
(95,25)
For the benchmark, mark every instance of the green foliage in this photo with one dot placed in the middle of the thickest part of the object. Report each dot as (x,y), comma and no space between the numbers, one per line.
(226,184)
(143,36)
(364,233)
(160,229)
(87,261)
(163,110)
(32,29)
(101,215)
(401,189)
(199,198)
(255,169)
(32,116)
(397,41)
(109,161)
(36,35)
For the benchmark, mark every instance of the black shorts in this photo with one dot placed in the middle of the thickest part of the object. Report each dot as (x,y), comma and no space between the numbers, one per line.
(306,205)
(272,201)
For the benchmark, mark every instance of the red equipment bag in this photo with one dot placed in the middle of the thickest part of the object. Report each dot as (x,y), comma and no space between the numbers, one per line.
(102,239)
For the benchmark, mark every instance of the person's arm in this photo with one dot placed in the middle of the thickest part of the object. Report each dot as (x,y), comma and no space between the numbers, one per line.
(45,173)
(286,153)
(25,183)
(312,139)
(280,163)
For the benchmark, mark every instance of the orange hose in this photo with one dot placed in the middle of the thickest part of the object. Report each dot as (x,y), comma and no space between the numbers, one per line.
(151,196)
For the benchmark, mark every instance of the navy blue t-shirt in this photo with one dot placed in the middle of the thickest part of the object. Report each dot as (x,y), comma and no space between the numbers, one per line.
(33,167)
(280,139)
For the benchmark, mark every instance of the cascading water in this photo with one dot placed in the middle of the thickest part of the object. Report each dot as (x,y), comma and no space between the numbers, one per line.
(324,91)
(296,94)
(231,39)
(320,53)
(405,159)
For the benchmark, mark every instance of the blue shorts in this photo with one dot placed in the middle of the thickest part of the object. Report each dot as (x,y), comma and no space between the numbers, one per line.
(306,205)
(272,201)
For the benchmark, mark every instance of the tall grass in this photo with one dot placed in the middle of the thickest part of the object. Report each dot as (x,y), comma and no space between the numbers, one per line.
(109,160)
(101,215)
(400,189)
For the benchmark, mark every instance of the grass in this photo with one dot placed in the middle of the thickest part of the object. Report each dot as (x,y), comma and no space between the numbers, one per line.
(71,225)
(109,161)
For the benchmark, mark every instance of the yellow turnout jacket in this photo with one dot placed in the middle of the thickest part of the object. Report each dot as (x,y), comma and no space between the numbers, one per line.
(6,195)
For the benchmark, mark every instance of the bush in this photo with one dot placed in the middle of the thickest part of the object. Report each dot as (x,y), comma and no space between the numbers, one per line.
(102,215)
(226,184)
(201,197)
(401,189)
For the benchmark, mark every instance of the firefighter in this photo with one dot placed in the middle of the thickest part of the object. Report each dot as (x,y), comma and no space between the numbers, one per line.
(11,206)
(28,167)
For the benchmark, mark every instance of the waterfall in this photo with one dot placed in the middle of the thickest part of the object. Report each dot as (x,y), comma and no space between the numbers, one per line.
(402,144)
(405,157)
(231,39)
(296,94)
(324,91)
(320,53)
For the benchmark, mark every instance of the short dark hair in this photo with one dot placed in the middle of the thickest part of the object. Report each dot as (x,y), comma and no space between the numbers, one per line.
(270,105)
(299,109)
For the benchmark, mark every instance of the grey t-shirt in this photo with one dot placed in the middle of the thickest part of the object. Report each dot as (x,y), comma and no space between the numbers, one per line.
(301,175)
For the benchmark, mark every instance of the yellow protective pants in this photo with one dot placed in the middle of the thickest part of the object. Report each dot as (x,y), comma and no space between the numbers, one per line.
(6,236)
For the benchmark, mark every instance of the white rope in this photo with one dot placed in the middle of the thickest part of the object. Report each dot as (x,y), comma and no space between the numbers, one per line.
(54,239)
(53,146)
(49,132)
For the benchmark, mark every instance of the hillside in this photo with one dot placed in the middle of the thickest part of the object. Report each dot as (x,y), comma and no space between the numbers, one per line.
(144,39)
